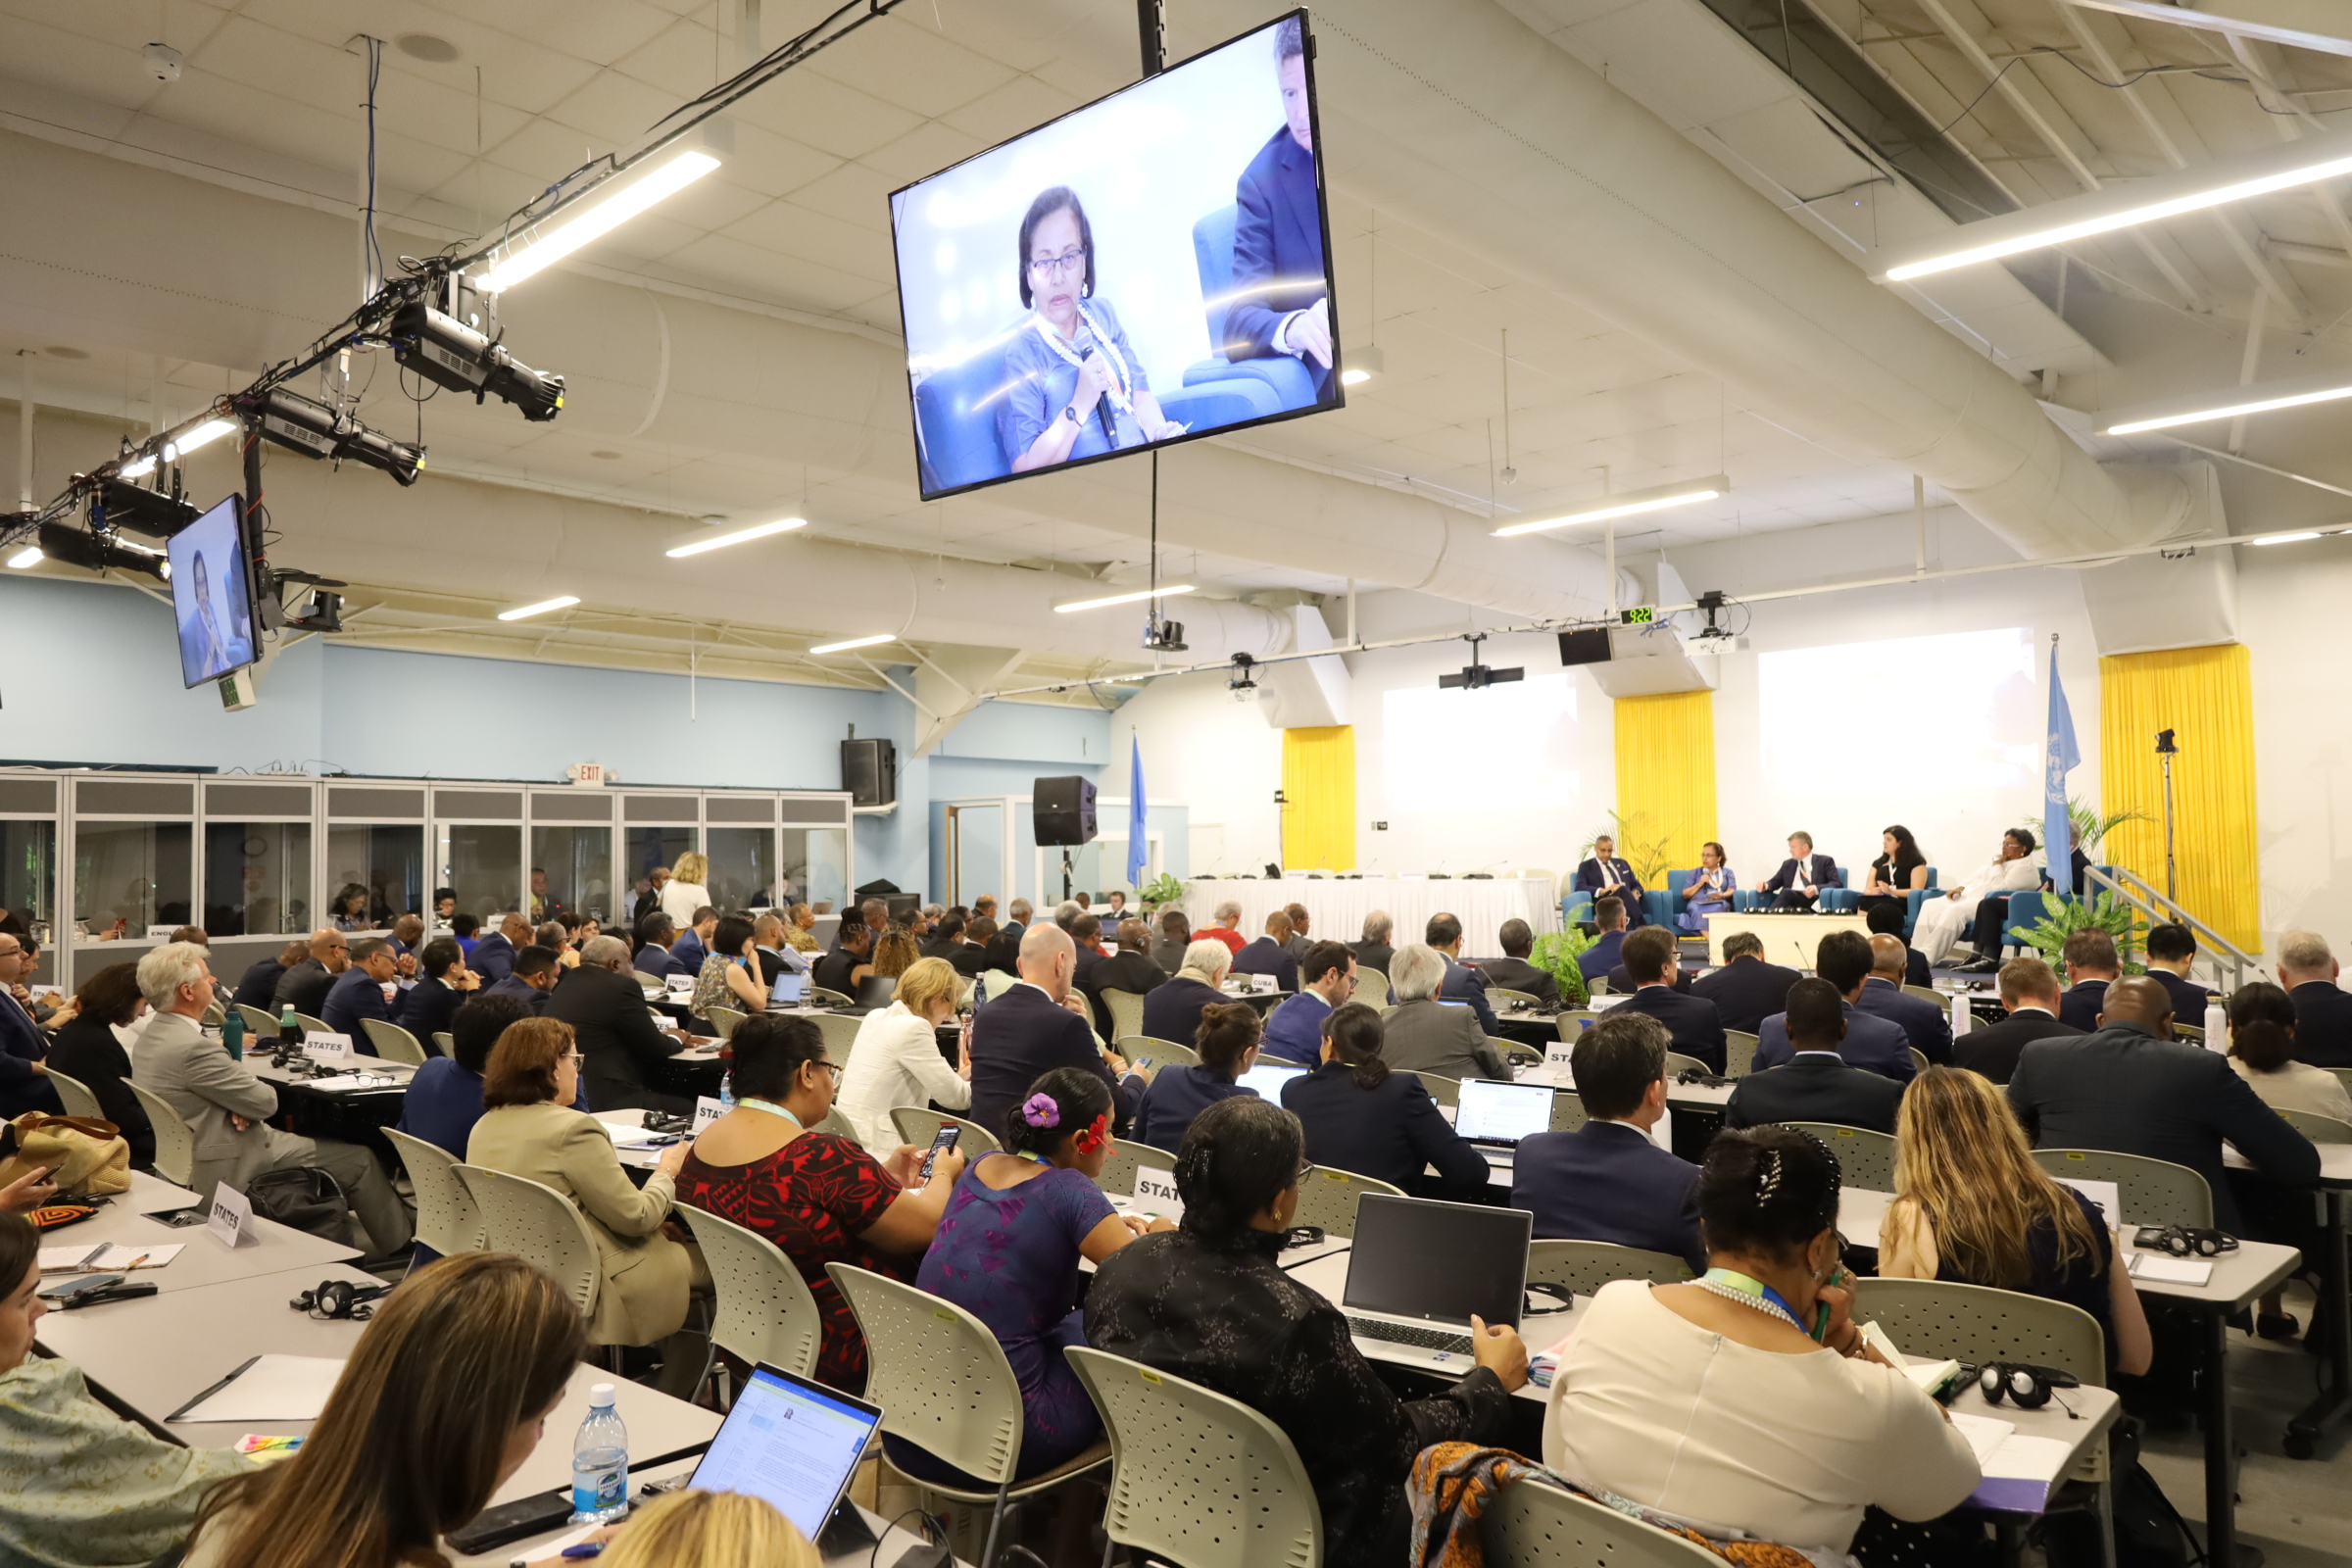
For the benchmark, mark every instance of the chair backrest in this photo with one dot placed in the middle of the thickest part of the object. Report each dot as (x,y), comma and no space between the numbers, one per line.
(1574,1022)
(919,1125)
(77,1097)
(393,1043)
(938,1373)
(1196,1477)
(445,1043)
(821,997)
(259,1025)
(1371,987)
(1974,1323)
(1539,1525)
(1584,1267)
(1163,1052)
(1327,1199)
(1738,1053)
(1677,1065)
(2310,1123)
(312,1026)
(766,1312)
(2343,1075)
(1444,1091)
(448,1219)
(1126,1011)
(2025,912)
(1567,1110)
(999,981)
(724,1019)
(1513,1050)
(1212,255)
(1865,1158)
(1919,1059)
(840,1030)
(1928,994)
(539,1225)
(215,1015)
(1502,997)
(1126,1158)
(956,429)
(648,982)
(175,1145)
(2153,1192)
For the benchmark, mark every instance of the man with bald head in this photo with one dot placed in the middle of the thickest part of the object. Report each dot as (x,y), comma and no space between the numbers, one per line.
(493,958)
(1883,995)
(304,987)
(2131,1088)
(1036,1026)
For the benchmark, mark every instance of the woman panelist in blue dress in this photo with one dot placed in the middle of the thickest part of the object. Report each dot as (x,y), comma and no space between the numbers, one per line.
(1075,387)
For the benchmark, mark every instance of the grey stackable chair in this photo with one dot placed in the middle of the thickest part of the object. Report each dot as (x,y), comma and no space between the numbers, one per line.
(1126,1158)
(448,1219)
(1502,997)
(1163,1052)
(1327,1200)
(1371,986)
(312,1026)
(1865,1158)
(2310,1123)
(1677,1065)
(919,1124)
(1738,1053)
(765,1311)
(1126,1011)
(2153,1192)
(540,1225)
(1583,1267)
(175,1143)
(393,1043)
(259,1025)
(840,1030)
(1534,1523)
(445,1043)
(77,1097)
(1444,1091)
(1567,1110)
(724,1020)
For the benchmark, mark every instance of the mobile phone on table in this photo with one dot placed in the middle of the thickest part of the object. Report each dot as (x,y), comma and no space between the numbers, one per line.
(945,1138)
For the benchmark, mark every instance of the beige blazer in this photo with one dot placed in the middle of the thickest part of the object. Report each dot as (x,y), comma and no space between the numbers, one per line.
(647,1275)
(202,1084)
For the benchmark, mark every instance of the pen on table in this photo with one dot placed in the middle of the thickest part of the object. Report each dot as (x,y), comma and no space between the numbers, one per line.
(586,1548)
(134,1262)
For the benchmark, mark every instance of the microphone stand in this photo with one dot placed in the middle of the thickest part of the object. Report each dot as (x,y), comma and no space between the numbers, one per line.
(2166,749)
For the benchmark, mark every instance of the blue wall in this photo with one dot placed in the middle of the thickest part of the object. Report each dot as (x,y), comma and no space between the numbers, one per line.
(95,678)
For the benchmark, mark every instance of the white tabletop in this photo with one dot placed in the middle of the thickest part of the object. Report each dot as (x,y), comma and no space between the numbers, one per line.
(398,1074)
(1336,907)
(202,1260)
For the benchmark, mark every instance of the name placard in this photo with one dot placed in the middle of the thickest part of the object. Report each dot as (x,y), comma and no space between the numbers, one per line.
(706,1111)
(231,1220)
(1156,1192)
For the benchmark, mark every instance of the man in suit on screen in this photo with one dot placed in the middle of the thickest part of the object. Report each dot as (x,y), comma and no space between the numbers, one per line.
(1279,305)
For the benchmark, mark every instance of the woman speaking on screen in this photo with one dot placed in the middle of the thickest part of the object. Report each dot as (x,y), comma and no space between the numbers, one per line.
(1075,387)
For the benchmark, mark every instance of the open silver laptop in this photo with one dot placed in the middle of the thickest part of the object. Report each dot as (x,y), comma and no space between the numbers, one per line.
(1493,1116)
(1417,1269)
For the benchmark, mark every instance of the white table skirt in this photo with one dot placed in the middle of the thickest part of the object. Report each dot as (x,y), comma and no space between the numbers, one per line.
(1336,909)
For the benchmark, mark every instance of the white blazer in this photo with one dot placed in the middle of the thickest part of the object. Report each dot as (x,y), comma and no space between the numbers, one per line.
(896,1061)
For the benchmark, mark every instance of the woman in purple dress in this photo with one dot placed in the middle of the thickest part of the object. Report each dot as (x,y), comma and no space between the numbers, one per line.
(1008,1250)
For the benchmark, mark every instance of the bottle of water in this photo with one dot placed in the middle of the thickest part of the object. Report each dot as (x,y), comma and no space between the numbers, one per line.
(600,1462)
(289,1031)
(233,1034)
(2217,1026)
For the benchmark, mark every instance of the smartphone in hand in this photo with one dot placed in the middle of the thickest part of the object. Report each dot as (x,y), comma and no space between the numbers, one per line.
(948,1132)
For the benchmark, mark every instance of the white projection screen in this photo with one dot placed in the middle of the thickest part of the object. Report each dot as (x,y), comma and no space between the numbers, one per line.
(1501,747)
(1911,721)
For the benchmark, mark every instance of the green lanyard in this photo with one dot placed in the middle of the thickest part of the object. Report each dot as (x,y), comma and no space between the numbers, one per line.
(774,1110)
(1729,1282)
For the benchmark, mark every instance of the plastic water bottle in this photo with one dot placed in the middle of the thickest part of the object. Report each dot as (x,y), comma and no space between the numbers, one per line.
(1964,1016)
(289,1031)
(726,1088)
(600,1462)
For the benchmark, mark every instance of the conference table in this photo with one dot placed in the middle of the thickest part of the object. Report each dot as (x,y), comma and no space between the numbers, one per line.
(1336,906)
(203,1260)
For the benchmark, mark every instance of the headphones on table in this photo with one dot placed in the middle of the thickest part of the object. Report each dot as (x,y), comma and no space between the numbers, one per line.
(334,1299)
(2184,1240)
(2023,1384)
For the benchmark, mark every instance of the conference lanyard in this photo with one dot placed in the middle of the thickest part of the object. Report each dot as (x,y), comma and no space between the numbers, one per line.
(779,1111)
(1119,391)
(1727,1282)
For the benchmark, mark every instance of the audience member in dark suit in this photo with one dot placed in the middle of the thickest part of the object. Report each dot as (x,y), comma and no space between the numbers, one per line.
(1886,920)
(1227,1046)
(947,935)
(1873,1043)
(444,985)
(1801,876)
(358,993)
(493,958)
(2029,991)
(1815,1083)
(2091,966)
(694,945)
(1427,1034)
(1038,1026)
(1603,874)
(1363,1118)
(1279,304)
(1374,952)
(533,980)
(1172,1011)
(1299,940)
(1746,989)
(620,1048)
(257,987)
(23,1081)
(1621,979)
(1606,1181)
(1462,983)
(1175,935)
(655,934)
(1691,1023)
(1597,960)
(846,966)
(2134,1089)
(1927,1026)
(1086,934)
(87,1051)
(1326,980)
(2171,950)
(1129,969)
(2322,1010)
(305,986)
(1512,971)
(1270,954)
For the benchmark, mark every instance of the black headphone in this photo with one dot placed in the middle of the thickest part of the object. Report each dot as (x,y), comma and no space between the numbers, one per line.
(2184,1240)
(333,1299)
(2023,1384)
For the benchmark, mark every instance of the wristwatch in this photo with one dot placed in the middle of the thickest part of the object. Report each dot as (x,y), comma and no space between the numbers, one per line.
(1069,411)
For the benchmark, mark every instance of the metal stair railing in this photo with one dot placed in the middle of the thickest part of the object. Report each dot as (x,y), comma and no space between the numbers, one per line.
(2229,963)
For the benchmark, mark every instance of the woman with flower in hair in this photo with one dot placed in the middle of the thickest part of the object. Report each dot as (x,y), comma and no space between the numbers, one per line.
(1007,1253)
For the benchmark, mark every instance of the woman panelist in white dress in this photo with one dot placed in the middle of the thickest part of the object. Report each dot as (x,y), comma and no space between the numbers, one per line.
(1942,921)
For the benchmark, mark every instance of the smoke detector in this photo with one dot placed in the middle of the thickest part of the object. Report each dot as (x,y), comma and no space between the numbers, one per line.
(163,61)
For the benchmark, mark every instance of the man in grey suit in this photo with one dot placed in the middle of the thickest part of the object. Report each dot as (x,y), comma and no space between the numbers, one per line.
(225,1105)
(1427,1035)
(1299,940)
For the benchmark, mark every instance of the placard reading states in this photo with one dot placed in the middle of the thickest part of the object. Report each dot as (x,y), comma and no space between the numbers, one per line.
(232,1221)
(706,1111)
(328,1046)
(1156,1192)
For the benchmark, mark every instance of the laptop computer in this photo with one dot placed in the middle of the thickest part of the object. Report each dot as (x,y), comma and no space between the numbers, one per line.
(796,1444)
(790,989)
(1266,1080)
(1494,1116)
(1418,1269)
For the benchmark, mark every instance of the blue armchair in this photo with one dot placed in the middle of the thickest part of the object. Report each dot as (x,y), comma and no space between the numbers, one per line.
(1841,899)
(1575,908)
(1284,376)
(2025,909)
(1918,897)
(1665,904)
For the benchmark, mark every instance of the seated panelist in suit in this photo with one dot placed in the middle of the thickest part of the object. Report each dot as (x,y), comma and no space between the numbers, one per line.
(1463,984)
(1374,949)
(533,979)
(1129,969)
(1873,1044)
(1512,971)
(1602,873)
(1692,1025)
(443,985)
(1597,960)
(1746,989)
(2091,966)
(2171,950)
(1173,1011)
(1621,979)
(1815,1082)
(1607,1181)
(2323,1008)
(1039,1025)
(2030,992)
(1899,868)
(1270,954)
(1279,305)
(1427,1034)
(1801,878)
(1927,1026)
(1709,891)
(493,958)
(24,1049)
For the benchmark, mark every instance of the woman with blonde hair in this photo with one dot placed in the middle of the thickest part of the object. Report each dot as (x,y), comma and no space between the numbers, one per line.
(688,889)
(716,1529)
(894,954)
(896,1060)
(1972,1206)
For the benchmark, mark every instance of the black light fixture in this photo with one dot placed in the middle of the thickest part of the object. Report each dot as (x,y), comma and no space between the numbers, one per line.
(118,504)
(96,550)
(1244,688)
(299,424)
(447,352)
(1475,676)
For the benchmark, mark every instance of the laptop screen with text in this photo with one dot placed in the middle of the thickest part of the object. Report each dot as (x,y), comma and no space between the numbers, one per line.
(791,1443)
(1413,1257)
(1493,1113)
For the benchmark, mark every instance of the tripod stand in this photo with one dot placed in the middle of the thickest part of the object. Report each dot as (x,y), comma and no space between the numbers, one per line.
(2166,749)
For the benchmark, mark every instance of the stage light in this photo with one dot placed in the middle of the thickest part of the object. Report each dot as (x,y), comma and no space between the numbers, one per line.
(445,351)
(117,505)
(854,642)
(1628,504)
(525,611)
(315,430)
(596,219)
(97,552)
(758,530)
(1165,591)
(29,556)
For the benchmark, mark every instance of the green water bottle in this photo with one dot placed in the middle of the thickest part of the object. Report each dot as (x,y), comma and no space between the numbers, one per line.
(232,1035)
(289,1032)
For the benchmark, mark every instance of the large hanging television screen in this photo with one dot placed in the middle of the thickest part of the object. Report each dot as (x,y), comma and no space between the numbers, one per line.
(1151,267)
(212,595)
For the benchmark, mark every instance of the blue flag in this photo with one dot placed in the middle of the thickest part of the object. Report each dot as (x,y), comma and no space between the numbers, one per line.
(1137,849)
(2057,830)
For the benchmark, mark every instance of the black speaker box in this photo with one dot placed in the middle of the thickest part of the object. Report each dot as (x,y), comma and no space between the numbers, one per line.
(869,772)
(1064,811)
(1587,647)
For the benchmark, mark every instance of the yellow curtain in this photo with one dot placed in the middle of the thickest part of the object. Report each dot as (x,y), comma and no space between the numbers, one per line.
(2205,696)
(1318,781)
(1666,773)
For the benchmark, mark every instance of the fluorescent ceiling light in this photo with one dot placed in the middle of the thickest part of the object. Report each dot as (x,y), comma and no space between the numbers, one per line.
(525,611)
(2288,538)
(205,434)
(2259,399)
(1161,592)
(29,556)
(854,642)
(597,220)
(719,541)
(2120,206)
(1632,504)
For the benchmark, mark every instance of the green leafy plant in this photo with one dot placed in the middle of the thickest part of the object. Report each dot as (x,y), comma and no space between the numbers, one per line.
(2102,911)
(1555,953)
(1646,855)
(1165,888)
(2090,823)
